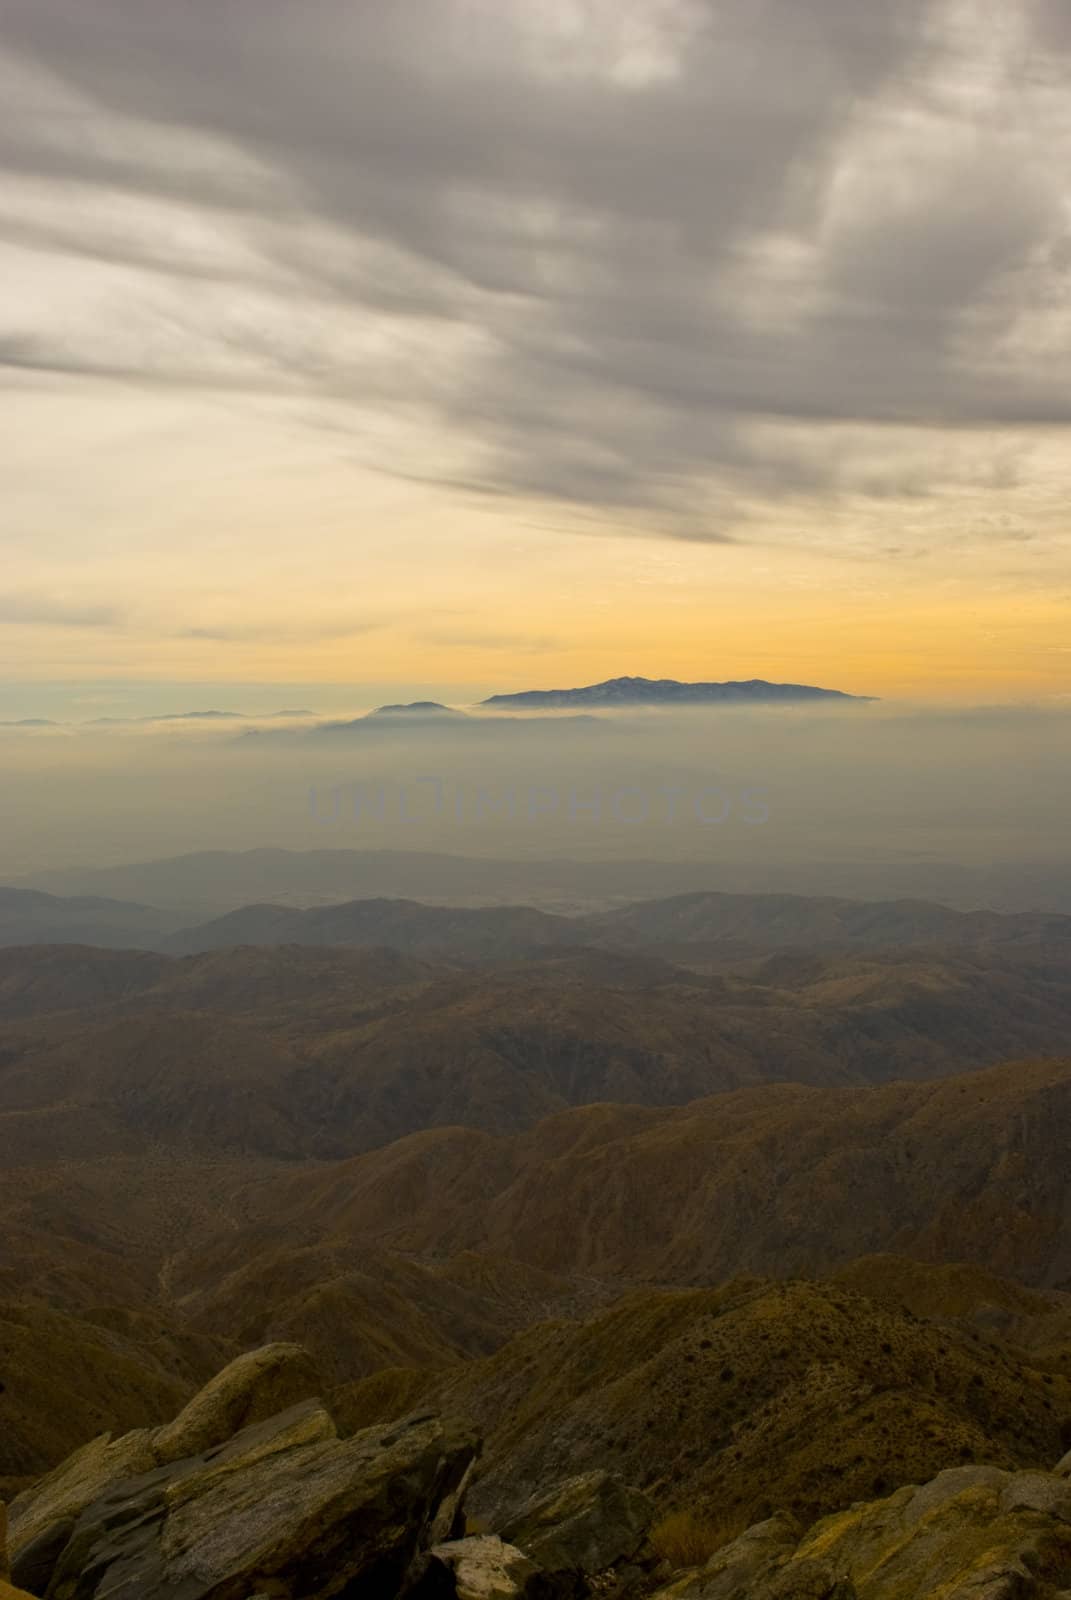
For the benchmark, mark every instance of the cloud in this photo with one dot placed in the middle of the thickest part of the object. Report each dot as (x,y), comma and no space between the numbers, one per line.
(280,631)
(646,258)
(29,610)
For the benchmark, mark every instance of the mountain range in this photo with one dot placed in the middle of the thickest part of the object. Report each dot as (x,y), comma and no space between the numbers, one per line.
(207,883)
(701,925)
(322,1034)
(577,1265)
(758,1204)
(666,692)
(28,916)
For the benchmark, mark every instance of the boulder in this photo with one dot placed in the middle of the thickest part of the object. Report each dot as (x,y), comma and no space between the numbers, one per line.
(972,1533)
(583,1525)
(805,1580)
(6,1590)
(285,1507)
(42,1517)
(482,1567)
(253,1388)
(1037,1491)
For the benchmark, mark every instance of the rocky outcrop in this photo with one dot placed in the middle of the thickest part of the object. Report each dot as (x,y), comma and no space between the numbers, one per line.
(255,1387)
(755,1556)
(228,1502)
(251,1389)
(583,1525)
(973,1533)
(285,1507)
(566,1543)
(244,1492)
(6,1591)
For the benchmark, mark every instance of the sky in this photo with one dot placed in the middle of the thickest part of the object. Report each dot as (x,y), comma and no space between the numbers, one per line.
(471,345)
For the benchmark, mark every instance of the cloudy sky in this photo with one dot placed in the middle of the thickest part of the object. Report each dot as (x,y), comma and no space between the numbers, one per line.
(478,344)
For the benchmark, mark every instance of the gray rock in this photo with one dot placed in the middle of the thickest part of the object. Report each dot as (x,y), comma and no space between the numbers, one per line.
(973,1533)
(1038,1491)
(754,1555)
(251,1389)
(924,1503)
(284,1508)
(1013,1581)
(805,1580)
(483,1567)
(583,1525)
(64,1494)
(35,1563)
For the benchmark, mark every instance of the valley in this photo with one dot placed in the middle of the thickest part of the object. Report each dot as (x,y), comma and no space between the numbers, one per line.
(755,1201)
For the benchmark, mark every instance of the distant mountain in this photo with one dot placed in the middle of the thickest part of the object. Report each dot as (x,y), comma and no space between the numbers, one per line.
(170,716)
(786,921)
(30,917)
(209,882)
(193,716)
(487,933)
(703,931)
(666,692)
(418,709)
(415,713)
(691,928)
(426,719)
(430,717)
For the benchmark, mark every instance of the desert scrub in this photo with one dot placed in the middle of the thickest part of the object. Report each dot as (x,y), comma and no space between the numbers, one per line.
(688,1539)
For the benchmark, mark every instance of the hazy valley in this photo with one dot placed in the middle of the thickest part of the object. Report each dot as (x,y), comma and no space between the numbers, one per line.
(759,1203)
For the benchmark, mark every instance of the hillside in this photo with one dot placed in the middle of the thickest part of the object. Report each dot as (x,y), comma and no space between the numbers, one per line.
(738,1401)
(291,1051)
(426,1272)
(510,1185)
(257,1487)
(782,1179)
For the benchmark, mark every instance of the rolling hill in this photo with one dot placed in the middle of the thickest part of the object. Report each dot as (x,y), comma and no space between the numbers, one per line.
(737,1401)
(780,1178)
(302,1051)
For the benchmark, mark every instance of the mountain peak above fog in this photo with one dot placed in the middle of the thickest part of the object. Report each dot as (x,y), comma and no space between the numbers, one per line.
(628,691)
(416,709)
